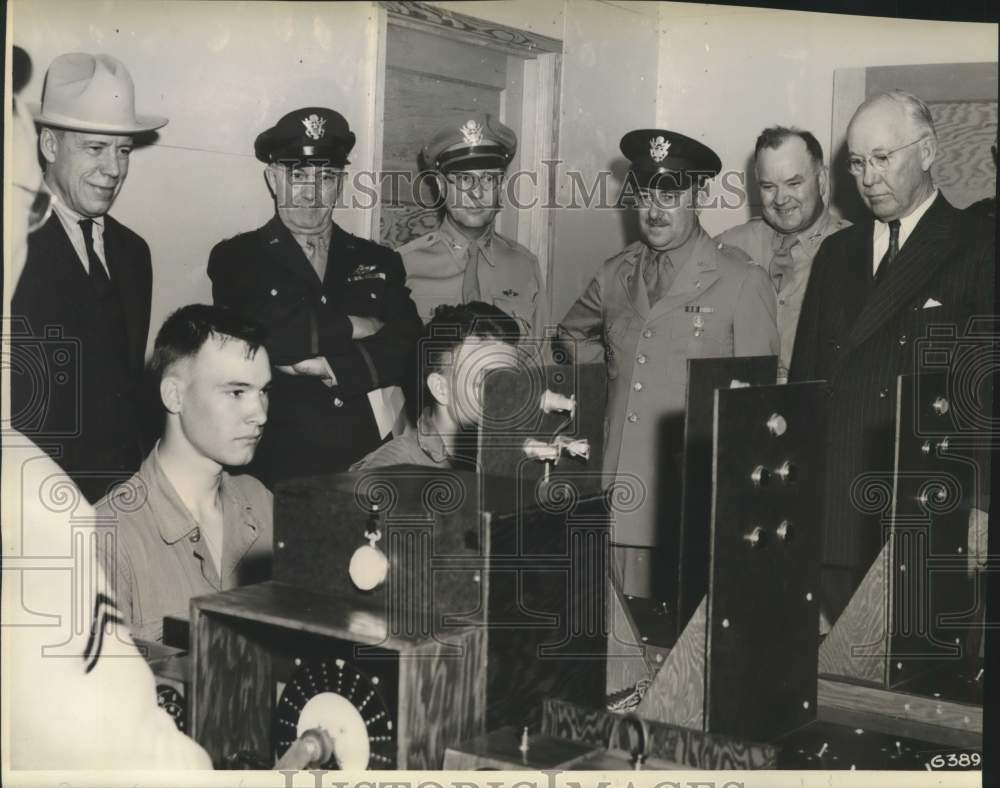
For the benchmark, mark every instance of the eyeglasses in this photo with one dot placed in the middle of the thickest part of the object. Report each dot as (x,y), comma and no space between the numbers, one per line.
(877,161)
(467,181)
(41,205)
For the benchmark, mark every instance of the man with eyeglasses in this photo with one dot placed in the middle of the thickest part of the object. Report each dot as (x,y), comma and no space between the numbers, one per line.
(80,313)
(465,259)
(340,324)
(794,188)
(673,295)
(876,289)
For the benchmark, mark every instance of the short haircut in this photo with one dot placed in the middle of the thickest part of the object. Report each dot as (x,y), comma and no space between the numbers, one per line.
(917,111)
(451,326)
(774,136)
(184,333)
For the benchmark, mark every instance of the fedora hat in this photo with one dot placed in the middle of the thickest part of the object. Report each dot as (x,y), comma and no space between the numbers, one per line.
(91,93)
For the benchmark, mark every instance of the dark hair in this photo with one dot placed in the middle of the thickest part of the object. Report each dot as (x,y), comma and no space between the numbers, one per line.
(183,333)
(450,327)
(775,135)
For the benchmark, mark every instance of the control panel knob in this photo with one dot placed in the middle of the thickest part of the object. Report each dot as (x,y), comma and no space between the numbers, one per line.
(787,472)
(760,476)
(941,406)
(776,424)
(756,537)
(784,531)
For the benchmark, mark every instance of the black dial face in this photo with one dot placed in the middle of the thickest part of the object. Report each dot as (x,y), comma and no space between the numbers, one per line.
(172,701)
(332,694)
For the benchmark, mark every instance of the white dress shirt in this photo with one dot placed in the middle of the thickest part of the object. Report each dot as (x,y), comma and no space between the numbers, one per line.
(71,223)
(880,237)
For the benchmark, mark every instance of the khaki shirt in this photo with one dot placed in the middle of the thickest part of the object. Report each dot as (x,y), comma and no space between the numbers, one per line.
(418,445)
(509,276)
(162,562)
(759,240)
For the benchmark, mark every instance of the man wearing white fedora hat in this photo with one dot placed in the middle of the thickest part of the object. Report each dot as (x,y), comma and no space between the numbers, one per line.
(81,309)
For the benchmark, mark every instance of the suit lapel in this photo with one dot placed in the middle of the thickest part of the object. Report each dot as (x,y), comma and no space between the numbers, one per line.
(285,251)
(123,280)
(923,254)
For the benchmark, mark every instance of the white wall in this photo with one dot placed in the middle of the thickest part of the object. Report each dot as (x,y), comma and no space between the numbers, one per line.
(221,72)
(727,73)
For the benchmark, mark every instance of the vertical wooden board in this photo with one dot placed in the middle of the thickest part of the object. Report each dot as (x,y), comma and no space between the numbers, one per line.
(441,698)
(857,645)
(512,414)
(763,616)
(547,624)
(232,690)
(934,484)
(677,694)
(690,554)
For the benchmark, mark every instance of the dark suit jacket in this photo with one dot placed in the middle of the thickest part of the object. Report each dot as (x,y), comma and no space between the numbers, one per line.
(264,274)
(860,336)
(77,381)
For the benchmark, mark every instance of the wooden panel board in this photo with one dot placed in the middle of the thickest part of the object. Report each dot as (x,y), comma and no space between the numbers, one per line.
(442,699)
(690,553)
(501,749)
(856,646)
(232,677)
(690,748)
(762,601)
(627,662)
(512,414)
(677,694)
(931,595)
(927,717)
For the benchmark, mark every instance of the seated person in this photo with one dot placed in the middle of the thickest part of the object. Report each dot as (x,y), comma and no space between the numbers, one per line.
(458,346)
(184,527)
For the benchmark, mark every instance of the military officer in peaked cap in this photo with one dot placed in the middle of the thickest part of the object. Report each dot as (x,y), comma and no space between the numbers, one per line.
(341,325)
(465,259)
(673,295)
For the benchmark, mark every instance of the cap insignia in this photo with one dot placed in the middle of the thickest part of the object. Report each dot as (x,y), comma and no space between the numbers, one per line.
(472,132)
(658,148)
(314,126)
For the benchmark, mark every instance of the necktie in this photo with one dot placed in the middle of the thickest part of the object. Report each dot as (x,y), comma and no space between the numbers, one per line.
(98,276)
(782,262)
(470,280)
(658,273)
(891,253)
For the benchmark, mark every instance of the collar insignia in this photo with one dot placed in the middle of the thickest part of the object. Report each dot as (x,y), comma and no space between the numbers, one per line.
(658,149)
(314,126)
(511,293)
(472,132)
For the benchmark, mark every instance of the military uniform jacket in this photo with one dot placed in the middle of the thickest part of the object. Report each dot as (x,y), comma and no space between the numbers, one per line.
(718,305)
(759,240)
(313,428)
(509,276)
(860,336)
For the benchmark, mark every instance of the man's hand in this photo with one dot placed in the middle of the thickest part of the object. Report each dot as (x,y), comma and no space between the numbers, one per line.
(317,367)
(363,327)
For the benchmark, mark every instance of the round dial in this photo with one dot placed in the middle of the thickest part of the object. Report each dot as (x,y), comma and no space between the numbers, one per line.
(172,702)
(332,694)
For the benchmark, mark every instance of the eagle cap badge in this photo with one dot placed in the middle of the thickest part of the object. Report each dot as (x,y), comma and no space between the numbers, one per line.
(658,148)
(314,126)
(472,132)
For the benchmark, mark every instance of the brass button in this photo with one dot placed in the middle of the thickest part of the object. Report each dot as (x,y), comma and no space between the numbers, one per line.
(641,359)
(633,418)
(637,386)
(338,402)
(883,393)
(195,536)
(322,299)
(647,333)
(373,296)
(902,339)
(274,292)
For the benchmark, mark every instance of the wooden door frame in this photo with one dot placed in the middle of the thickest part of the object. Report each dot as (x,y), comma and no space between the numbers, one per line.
(540,102)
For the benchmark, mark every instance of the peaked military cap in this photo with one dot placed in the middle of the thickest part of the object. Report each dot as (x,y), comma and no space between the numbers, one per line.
(480,142)
(310,134)
(668,161)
